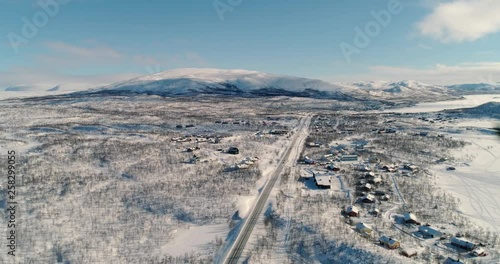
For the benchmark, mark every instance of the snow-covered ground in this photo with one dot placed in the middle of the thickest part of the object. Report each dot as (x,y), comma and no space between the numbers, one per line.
(476,180)
(193,239)
(467,102)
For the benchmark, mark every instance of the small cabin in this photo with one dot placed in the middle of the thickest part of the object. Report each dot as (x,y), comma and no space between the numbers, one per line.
(233,150)
(364,229)
(368,199)
(352,211)
(388,242)
(410,218)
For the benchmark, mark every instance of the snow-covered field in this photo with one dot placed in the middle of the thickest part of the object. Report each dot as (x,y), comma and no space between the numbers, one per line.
(476,180)
(117,156)
(468,101)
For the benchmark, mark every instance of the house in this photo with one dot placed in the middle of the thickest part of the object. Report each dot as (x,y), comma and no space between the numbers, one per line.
(385,197)
(308,160)
(364,168)
(215,140)
(375,212)
(479,252)
(375,180)
(429,232)
(323,180)
(388,242)
(327,157)
(462,243)
(366,187)
(410,167)
(233,150)
(389,168)
(352,210)
(364,229)
(368,198)
(348,158)
(278,132)
(339,149)
(313,145)
(410,218)
(452,261)
(409,252)
(242,166)
(332,167)
(370,174)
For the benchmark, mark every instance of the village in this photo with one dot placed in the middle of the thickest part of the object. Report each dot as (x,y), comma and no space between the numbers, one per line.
(363,158)
(342,156)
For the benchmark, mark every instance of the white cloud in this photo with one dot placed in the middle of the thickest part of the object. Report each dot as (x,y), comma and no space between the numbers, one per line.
(423,46)
(47,68)
(444,74)
(45,79)
(94,52)
(461,20)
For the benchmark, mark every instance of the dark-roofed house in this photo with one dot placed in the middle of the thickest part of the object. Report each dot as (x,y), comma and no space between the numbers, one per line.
(429,232)
(233,150)
(462,243)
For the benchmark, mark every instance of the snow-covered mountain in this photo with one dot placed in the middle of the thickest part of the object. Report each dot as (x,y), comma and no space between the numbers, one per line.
(408,89)
(244,83)
(475,88)
(190,82)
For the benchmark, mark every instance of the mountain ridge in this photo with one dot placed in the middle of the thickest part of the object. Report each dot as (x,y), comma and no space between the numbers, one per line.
(245,83)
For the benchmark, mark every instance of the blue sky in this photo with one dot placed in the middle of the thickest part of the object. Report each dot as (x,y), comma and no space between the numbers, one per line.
(101,41)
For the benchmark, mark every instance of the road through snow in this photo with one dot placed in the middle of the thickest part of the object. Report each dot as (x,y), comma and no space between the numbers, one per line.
(238,247)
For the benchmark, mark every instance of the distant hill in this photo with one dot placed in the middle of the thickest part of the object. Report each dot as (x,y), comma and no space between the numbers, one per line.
(401,90)
(475,88)
(191,82)
(490,110)
(243,83)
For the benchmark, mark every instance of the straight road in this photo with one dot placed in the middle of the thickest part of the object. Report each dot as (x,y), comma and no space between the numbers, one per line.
(239,245)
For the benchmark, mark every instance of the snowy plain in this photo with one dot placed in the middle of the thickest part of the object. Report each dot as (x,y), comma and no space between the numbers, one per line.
(467,102)
(476,180)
